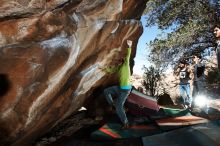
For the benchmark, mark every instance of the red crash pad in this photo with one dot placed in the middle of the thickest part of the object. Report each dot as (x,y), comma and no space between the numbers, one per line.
(114,131)
(177,122)
(142,100)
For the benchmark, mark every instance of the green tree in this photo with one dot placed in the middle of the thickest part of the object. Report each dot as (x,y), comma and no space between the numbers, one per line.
(151,79)
(191,23)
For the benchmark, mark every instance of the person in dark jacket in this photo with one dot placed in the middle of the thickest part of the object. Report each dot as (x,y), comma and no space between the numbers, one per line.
(217,35)
(198,76)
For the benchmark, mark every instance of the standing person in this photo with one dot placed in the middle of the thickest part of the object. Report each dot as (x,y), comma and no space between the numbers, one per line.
(122,90)
(217,35)
(198,76)
(184,85)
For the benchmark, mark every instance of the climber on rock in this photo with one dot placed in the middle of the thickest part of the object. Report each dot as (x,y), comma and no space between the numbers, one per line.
(122,90)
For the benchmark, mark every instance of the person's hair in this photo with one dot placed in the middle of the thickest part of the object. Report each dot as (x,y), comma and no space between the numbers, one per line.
(183,62)
(198,56)
(217,25)
(197,53)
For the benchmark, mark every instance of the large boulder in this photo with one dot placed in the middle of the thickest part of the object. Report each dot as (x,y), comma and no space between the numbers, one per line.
(51,52)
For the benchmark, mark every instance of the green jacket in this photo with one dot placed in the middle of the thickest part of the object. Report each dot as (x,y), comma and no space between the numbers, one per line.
(123,70)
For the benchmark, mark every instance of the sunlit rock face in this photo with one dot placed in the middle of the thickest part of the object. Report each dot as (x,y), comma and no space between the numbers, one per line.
(51,52)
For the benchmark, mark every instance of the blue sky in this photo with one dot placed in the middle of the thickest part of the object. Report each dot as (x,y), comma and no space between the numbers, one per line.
(143,50)
(149,34)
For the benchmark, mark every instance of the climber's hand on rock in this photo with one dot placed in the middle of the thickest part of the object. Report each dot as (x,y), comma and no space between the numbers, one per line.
(129,42)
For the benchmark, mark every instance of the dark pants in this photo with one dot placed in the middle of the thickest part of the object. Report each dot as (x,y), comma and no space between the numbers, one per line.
(198,88)
(218,57)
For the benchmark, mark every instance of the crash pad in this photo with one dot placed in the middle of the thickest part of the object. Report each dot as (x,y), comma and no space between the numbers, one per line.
(171,123)
(174,112)
(143,100)
(114,131)
(169,112)
(197,135)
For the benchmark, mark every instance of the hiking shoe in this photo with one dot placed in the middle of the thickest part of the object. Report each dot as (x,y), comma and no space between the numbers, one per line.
(125,126)
(184,106)
(188,107)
